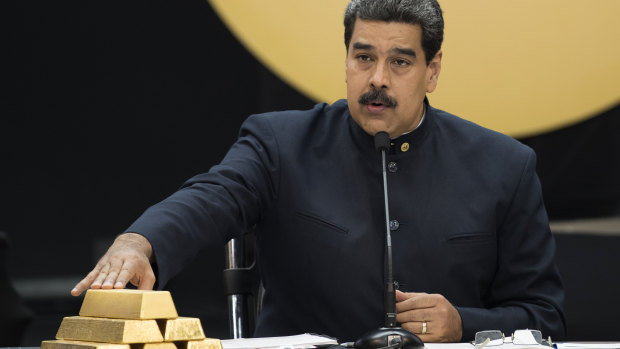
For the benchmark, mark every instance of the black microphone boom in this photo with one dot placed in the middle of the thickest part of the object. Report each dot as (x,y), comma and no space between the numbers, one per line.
(382,144)
(390,336)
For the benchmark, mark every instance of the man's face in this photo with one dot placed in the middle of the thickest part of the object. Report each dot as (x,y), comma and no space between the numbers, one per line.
(387,76)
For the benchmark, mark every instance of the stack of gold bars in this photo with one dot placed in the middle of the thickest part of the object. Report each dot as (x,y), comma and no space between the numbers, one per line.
(130,319)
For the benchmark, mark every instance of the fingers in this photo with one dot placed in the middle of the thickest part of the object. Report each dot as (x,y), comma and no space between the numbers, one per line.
(101,276)
(401,296)
(112,274)
(116,275)
(431,333)
(143,278)
(413,310)
(147,281)
(409,296)
(415,315)
(85,283)
(418,328)
(421,307)
(443,322)
(127,259)
(414,300)
(123,277)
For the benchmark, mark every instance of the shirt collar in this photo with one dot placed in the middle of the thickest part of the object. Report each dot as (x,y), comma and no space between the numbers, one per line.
(419,123)
(412,138)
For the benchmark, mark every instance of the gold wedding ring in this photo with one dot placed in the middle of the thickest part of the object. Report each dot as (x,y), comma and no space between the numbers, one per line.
(423,327)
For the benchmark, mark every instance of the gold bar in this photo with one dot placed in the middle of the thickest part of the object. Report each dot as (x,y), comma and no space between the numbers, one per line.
(154,346)
(208,343)
(181,329)
(128,304)
(109,330)
(61,344)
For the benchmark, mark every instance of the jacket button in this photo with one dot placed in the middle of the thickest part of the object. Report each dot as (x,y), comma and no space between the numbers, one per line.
(394,224)
(392,166)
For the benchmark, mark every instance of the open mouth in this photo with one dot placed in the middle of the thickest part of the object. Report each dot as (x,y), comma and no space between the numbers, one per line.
(375,106)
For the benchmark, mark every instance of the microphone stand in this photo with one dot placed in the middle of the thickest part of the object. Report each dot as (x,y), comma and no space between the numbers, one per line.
(390,336)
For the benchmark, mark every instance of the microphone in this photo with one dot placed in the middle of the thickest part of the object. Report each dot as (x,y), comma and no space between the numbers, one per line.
(382,144)
(390,336)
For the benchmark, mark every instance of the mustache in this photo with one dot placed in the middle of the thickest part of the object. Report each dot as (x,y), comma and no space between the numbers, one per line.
(377,95)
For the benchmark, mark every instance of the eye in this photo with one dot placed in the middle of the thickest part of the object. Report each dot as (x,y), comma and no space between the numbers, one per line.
(400,62)
(363,58)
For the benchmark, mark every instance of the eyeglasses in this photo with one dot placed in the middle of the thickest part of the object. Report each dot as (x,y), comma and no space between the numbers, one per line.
(519,337)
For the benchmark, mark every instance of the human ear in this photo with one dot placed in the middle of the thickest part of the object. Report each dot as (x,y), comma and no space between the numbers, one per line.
(432,72)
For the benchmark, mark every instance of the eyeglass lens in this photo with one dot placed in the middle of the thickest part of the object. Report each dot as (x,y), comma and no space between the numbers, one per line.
(527,337)
(494,337)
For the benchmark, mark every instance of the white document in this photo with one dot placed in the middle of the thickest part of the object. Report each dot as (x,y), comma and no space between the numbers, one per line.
(503,346)
(293,342)
(450,346)
(589,345)
(570,345)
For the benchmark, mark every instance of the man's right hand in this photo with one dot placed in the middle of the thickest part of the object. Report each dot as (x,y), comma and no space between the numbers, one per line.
(127,260)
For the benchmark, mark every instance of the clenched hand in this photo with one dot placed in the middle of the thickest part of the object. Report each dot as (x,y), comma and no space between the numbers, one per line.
(443,321)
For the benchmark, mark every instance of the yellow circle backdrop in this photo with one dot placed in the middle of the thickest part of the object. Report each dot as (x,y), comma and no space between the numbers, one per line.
(519,67)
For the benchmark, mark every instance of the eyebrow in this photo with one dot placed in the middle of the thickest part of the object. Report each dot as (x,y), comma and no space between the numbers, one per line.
(404,51)
(399,50)
(360,46)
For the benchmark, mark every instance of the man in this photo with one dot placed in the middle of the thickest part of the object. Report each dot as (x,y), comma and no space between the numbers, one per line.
(471,243)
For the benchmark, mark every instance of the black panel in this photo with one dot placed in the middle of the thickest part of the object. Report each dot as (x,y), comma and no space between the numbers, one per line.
(589,268)
(579,167)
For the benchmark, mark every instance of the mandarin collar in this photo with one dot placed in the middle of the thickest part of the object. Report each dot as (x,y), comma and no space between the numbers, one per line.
(400,145)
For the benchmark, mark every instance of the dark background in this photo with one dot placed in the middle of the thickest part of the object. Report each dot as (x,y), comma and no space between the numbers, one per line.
(110,107)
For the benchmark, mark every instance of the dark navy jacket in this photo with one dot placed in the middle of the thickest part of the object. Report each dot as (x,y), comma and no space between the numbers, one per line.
(466,204)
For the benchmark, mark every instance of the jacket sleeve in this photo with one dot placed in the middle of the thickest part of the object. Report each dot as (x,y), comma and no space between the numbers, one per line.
(527,290)
(211,208)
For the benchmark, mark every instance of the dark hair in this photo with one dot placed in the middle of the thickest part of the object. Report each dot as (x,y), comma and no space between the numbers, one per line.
(425,13)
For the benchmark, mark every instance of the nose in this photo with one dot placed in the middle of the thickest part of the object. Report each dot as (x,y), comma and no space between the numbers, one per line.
(380,77)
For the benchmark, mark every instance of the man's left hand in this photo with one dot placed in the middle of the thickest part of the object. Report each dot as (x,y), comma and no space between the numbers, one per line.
(415,311)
